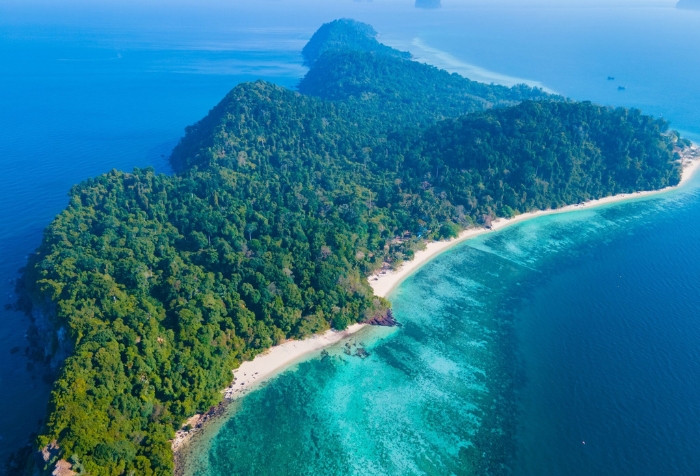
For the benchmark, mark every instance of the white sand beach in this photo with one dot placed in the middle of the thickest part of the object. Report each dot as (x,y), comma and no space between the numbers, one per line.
(273,360)
(250,374)
(384,281)
(266,365)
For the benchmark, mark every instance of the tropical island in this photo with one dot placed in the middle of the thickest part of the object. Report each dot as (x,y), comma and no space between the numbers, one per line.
(152,288)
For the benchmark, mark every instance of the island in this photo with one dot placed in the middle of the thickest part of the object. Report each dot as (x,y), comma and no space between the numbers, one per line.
(428,4)
(149,289)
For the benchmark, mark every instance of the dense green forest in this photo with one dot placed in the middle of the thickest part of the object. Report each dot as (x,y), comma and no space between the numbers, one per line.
(346,35)
(382,84)
(282,203)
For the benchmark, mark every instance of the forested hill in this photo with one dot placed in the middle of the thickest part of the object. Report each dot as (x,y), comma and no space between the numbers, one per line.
(346,35)
(380,82)
(282,204)
(371,87)
(552,152)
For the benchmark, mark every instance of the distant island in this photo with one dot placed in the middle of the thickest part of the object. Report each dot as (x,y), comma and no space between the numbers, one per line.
(149,289)
(688,4)
(428,4)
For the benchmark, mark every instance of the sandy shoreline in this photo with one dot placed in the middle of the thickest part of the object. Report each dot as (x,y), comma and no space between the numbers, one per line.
(251,373)
(267,365)
(386,281)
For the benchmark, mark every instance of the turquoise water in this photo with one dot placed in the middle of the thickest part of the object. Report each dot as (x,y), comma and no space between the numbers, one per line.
(517,347)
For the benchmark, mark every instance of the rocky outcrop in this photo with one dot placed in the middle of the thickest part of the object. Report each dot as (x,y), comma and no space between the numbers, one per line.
(386,319)
(47,458)
(196,423)
(49,451)
(63,468)
(49,342)
(193,427)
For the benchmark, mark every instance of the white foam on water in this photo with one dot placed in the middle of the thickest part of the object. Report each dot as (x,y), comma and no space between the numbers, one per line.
(423,53)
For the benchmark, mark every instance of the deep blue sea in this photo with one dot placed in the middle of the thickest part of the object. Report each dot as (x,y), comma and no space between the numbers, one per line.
(565,345)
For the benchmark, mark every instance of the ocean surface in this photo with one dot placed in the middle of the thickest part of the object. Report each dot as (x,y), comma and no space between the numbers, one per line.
(568,344)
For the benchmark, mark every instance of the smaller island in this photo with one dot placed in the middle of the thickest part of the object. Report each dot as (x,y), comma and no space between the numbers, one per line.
(428,4)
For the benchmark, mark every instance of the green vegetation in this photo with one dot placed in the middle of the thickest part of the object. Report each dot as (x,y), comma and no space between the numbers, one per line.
(346,35)
(398,92)
(282,204)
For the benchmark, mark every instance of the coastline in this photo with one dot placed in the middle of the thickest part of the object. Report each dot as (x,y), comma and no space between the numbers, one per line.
(385,281)
(252,373)
(264,366)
